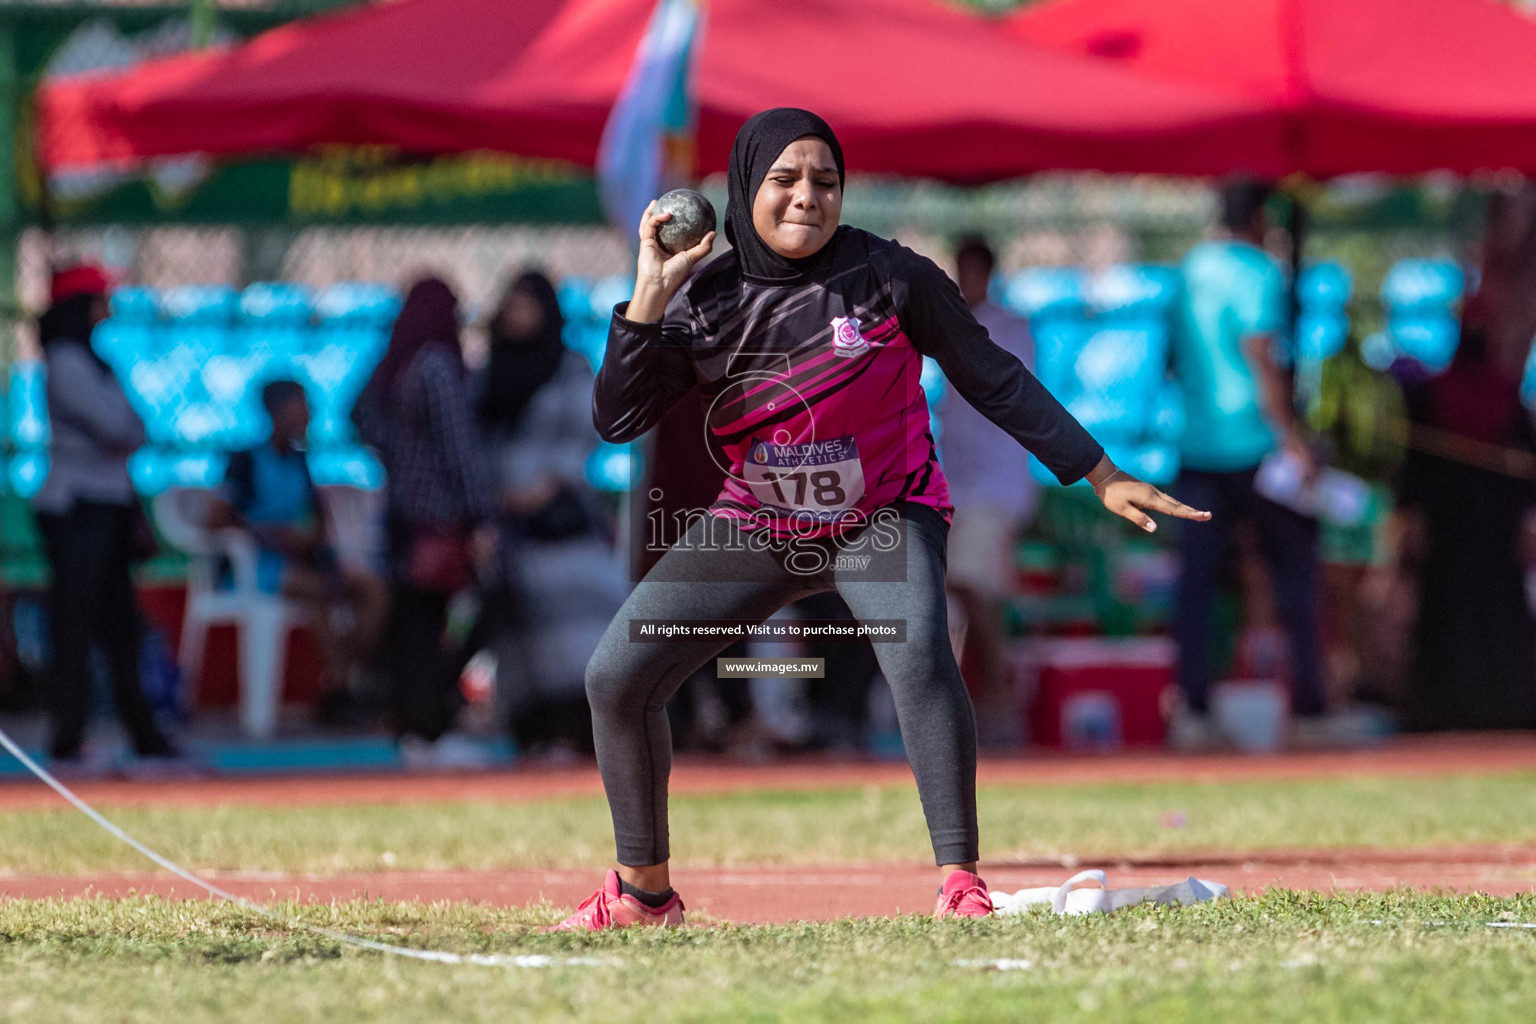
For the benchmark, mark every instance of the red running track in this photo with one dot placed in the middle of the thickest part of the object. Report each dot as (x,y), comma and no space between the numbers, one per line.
(765,895)
(1489,753)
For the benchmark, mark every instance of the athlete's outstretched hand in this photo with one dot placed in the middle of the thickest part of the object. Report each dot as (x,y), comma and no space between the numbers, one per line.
(1130,498)
(657,275)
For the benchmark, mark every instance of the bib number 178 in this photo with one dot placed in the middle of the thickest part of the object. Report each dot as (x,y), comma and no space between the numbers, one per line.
(821,477)
(826,487)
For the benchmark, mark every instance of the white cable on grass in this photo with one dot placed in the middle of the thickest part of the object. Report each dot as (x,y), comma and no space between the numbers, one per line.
(1446,924)
(431,955)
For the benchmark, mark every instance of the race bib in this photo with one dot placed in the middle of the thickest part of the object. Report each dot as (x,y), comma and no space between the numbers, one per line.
(818,478)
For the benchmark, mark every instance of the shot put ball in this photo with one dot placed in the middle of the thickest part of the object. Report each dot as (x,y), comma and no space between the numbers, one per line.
(693,217)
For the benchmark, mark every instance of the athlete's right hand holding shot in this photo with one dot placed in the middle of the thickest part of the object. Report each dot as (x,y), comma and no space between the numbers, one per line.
(659,275)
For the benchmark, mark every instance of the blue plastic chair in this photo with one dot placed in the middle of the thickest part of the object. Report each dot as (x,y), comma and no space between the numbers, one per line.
(234,382)
(1428,337)
(1322,324)
(199,318)
(1133,291)
(1047,293)
(1420,297)
(200,303)
(931,380)
(358,303)
(27,472)
(196,469)
(201,424)
(608,292)
(351,466)
(1420,284)
(332,381)
(135,304)
(1528,381)
(274,321)
(158,389)
(155,469)
(230,378)
(335,373)
(1101,348)
(122,343)
(1324,286)
(1167,420)
(1320,334)
(1057,342)
(276,302)
(132,330)
(27,408)
(1154,462)
(612,467)
(575,298)
(590,338)
(367,342)
(1119,371)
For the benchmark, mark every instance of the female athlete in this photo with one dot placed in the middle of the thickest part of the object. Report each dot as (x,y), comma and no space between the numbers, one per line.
(805,342)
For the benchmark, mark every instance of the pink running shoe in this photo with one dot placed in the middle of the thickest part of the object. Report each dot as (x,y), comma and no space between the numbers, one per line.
(611,908)
(963,895)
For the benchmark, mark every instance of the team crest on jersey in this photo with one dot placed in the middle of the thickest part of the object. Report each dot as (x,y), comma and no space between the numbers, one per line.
(846,339)
(760,453)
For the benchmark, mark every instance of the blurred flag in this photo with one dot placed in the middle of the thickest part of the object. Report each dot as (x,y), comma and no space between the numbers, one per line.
(647,145)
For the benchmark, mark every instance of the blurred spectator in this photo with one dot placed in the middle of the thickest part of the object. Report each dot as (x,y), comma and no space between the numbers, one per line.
(536,410)
(268,492)
(1475,667)
(92,524)
(1506,276)
(1238,409)
(1357,410)
(417,413)
(994,498)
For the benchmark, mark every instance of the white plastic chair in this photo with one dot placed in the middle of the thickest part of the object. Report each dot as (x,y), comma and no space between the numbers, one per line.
(356,516)
(263,620)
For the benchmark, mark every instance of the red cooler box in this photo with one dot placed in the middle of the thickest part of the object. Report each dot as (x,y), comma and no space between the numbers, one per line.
(1092,693)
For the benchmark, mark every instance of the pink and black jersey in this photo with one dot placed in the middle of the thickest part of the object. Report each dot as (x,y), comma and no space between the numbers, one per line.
(811,387)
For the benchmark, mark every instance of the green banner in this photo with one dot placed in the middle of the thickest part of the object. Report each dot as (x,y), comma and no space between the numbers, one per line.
(342,187)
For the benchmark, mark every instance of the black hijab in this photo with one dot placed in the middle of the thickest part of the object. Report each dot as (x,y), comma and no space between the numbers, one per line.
(519,367)
(429,318)
(757,146)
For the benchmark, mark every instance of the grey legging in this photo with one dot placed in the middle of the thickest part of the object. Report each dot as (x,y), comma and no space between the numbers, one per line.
(629,683)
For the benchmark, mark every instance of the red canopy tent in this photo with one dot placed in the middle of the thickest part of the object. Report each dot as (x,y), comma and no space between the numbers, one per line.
(912,86)
(535,77)
(1398,86)
(920,88)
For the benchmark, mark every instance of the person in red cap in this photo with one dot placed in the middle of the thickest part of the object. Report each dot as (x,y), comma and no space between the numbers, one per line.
(87,511)
(83,280)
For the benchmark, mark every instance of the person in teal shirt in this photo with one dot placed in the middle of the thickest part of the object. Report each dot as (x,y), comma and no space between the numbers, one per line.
(1231,310)
(1238,411)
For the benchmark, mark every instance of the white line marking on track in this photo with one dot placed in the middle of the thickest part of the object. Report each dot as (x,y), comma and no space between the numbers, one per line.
(1000,964)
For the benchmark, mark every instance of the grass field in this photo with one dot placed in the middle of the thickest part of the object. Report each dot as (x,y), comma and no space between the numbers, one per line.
(1281,956)
(817,827)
